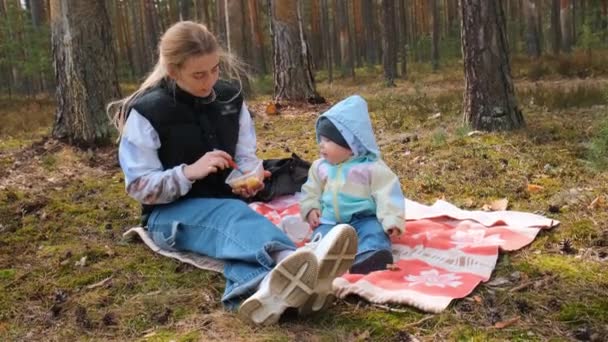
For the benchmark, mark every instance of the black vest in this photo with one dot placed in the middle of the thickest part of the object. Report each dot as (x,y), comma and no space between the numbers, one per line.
(188,127)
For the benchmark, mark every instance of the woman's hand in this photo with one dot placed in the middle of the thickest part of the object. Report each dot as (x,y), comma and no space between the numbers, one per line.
(246,192)
(313,218)
(209,163)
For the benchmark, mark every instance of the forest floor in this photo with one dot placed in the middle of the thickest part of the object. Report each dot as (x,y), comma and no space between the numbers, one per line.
(66,273)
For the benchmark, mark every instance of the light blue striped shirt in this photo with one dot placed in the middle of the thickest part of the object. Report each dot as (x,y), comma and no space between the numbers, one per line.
(144,173)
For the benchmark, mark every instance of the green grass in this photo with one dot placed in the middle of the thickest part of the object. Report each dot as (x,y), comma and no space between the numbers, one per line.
(49,226)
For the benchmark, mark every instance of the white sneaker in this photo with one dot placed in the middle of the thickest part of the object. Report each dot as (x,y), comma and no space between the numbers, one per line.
(335,254)
(289,284)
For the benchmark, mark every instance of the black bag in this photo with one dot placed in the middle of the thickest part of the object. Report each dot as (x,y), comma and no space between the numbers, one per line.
(288,176)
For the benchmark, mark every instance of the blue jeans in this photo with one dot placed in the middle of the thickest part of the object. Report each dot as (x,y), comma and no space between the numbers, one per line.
(370,234)
(225,229)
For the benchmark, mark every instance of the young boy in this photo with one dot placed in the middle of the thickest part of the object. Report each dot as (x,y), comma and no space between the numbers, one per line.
(351,185)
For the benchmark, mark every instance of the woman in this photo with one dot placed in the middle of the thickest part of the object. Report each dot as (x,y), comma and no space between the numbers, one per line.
(179,133)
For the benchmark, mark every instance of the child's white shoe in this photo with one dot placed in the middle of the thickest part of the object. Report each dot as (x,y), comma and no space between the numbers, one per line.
(289,284)
(335,254)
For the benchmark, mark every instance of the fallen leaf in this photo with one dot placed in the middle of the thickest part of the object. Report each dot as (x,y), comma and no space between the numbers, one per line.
(534,188)
(477,299)
(473,133)
(507,323)
(435,116)
(598,202)
(499,205)
(82,262)
(271,109)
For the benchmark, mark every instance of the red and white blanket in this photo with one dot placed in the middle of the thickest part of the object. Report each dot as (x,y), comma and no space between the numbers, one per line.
(444,253)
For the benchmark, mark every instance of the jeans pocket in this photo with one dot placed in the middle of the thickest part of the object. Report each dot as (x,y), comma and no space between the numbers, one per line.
(165,240)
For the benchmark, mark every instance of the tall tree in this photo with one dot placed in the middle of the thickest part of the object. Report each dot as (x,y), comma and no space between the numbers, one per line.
(85,71)
(292,72)
(532,34)
(185,9)
(358,36)
(371,56)
(327,46)
(556,31)
(489,98)
(403,34)
(435,35)
(566,28)
(37,9)
(315,32)
(389,48)
(348,68)
(259,54)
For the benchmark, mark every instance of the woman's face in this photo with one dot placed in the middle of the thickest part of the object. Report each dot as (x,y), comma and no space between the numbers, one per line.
(198,74)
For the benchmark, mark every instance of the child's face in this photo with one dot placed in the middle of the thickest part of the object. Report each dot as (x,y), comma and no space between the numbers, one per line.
(332,152)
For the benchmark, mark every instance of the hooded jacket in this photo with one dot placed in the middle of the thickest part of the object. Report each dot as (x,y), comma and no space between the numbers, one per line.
(362,185)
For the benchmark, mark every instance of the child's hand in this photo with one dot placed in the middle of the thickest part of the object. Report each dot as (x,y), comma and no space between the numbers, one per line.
(393,232)
(313,218)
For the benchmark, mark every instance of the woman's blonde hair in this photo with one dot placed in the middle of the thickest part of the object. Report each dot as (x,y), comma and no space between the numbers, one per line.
(181,41)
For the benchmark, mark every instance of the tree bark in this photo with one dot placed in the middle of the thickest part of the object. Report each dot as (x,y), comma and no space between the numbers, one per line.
(359,36)
(292,73)
(85,70)
(259,54)
(327,46)
(315,30)
(532,34)
(335,33)
(348,68)
(489,98)
(565,23)
(37,9)
(389,51)
(185,7)
(371,55)
(435,35)
(404,37)
(556,32)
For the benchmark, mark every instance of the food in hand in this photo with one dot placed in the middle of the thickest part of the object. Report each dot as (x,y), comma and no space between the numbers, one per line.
(251,183)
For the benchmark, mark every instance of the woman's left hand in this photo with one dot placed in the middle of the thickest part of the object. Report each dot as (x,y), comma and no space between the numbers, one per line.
(246,192)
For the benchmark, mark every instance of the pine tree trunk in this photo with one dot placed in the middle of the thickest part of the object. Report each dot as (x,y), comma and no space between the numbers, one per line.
(37,9)
(532,36)
(259,55)
(565,21)
(556,32)
(489,99)
(149,33)
(185,7)
(371,56)
(315,30)
(327,45)
(221,33)
(335,33)
(136,42)
(85,71)
(435,35)
(389,51)
(348,68)
(404,37)
(359,36)
(292,72)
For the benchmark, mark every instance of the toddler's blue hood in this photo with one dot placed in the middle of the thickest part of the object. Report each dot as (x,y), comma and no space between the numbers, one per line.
(351,118)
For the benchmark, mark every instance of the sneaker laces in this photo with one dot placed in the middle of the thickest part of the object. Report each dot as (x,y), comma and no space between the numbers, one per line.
(314,242)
